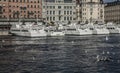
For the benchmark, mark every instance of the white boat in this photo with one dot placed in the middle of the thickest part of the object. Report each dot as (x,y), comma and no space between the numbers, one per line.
(71,30)
(84,30)
(112,28)
(28,30)
(57,33)
(100,28)
(118,27)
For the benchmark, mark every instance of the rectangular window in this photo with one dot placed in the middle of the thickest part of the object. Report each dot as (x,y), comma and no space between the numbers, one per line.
(50,12)
(3,10)
(50,18)
(91,9)
(28,1)
(90,13)
(43,6)
(70,12)
(67,1)
(49,0)
(9,10)
(67,18)
(70,18)
(50,7)
(53,7)
(35,6)
(53,18)
(65,12)
(59,12)
(28,6)
(59,7)
(64,7)
(64,18)
(91,1)
(59,18)
(53,12)
(31,6)
(47,12)
(47,18)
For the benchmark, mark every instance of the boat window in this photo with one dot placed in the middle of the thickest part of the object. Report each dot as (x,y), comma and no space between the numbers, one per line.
(110,28)
(15,30)
(91,28)
(72,29)
(25,30)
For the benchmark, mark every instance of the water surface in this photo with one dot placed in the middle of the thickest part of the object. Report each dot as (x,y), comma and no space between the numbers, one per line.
(73,54)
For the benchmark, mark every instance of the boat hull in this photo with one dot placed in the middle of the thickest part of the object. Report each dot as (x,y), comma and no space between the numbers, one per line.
(85,32)
(29,34)
(57,34)
(101,31)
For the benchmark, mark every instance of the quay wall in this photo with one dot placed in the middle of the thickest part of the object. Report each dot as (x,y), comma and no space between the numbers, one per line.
(4,33)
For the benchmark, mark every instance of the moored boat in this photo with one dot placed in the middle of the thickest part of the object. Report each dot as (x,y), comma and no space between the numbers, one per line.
(100,29)
(28,30)
(112,28)
(71,30)
(84,30)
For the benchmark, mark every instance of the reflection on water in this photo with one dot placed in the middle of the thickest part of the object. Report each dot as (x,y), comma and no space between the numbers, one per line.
(74,54)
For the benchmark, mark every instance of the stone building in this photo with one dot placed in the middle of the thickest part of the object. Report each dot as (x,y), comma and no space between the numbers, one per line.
(90,10)
(112,12)
(59,10)
(15,9)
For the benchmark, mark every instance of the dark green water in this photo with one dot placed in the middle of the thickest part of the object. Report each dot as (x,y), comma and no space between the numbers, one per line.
(74,54)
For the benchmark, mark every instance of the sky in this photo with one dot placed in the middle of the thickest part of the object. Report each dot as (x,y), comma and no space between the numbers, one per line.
(108,0)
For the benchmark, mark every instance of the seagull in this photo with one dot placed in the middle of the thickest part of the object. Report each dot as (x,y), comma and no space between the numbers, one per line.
(72,41)
(106,38)
(33,58)
(3,41)
(103,52)
(118,61)
(108,52)
(98,59)
(86,51)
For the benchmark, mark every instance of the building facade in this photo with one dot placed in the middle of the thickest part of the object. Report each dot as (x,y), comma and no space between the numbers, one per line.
(15,9)
(90,10)
(112,12)
(59,10)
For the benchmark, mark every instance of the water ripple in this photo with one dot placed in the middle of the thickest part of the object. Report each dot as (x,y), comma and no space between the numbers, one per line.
(71,54)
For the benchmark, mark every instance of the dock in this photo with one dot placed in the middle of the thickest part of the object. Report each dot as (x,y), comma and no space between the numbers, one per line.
(5,29)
